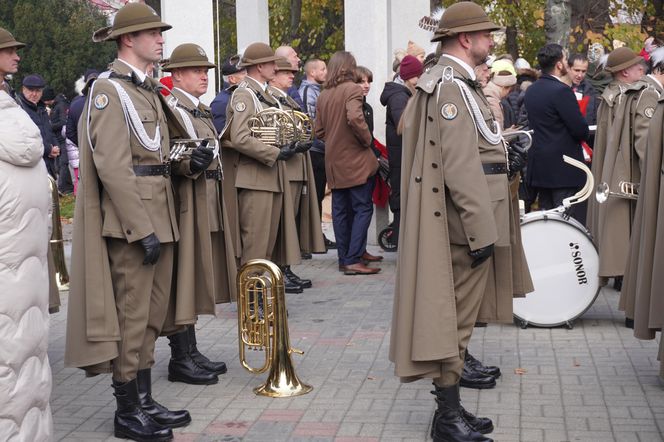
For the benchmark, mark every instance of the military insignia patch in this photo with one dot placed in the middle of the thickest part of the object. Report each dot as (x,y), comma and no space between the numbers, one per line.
(240,107)
(101,101)
(649,112)
(448,74)
(449,111)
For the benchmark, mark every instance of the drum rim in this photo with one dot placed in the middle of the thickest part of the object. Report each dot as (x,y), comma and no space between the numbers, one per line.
(558,217)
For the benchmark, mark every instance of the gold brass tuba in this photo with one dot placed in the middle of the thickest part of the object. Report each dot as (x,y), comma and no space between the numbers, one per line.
(56,242)
(263,326)
(274,126)
(626,190)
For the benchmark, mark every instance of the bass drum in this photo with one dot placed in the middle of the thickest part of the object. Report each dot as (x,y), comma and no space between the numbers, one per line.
(564,266)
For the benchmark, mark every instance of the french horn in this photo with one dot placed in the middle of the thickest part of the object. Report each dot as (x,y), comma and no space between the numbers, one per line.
(275,127)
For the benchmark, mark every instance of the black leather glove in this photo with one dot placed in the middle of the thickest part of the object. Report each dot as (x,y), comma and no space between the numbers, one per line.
(151,247)
(480,255)
(303,146)
(287,151)
(517,157)
(201,157)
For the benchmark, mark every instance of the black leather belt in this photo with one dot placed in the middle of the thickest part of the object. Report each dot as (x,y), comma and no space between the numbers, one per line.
(213,174)
(494,168)
(152,170)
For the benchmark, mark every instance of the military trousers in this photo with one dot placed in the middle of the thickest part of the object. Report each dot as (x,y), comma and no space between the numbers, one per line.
(259,214)
(141,296)
(469,285)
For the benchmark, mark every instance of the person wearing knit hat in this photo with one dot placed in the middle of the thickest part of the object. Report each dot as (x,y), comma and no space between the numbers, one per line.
(416,51)
(498,87)
(451,148)
(503,64)
(394,97)
(627,105)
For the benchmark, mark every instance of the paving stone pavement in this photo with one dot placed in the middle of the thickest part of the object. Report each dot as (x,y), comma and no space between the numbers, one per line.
(595,382)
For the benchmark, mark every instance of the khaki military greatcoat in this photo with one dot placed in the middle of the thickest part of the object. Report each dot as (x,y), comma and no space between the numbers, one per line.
(300,200)
(205,259)
(620,145)
(142,205)
(446,203)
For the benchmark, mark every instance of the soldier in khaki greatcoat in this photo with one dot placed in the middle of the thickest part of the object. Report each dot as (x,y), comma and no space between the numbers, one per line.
(126,227)
(626,107)
(205,260)
(300,215)
(455,240)
(251,166)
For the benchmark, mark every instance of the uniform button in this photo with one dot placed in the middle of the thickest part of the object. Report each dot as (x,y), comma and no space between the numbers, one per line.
(471,239)
(128,232)
(436,213)
(434,165)
(418,179)
(433,143)
(435,190)
(430,118)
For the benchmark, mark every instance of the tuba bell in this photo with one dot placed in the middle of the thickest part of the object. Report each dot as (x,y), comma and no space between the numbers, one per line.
(56,242)
(263,326)
(626,190)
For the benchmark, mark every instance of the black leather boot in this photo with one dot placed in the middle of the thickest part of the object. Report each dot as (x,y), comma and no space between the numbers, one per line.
(304,283)
(158,413)
(477,365)
(182,367)
(290,286)
(200,359)
(131,422)
(617,283)
(480,424)
(450,425)
(474,379)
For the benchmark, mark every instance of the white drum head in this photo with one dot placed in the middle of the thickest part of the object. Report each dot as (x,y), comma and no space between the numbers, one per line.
(564,266)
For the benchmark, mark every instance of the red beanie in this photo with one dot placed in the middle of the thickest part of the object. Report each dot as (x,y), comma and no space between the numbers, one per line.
(410,67)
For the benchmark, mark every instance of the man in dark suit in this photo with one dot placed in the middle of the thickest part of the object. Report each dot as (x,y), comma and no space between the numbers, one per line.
(559,128)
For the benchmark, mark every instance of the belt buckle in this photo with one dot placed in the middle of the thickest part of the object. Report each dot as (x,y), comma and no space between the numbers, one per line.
(166,166)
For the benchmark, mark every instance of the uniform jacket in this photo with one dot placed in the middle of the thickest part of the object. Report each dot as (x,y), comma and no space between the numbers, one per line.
(442,202)
(199,284)
(554,115)
(620,147)
(340,123)
(248,163)
(302,232)
(113,202)
(25,384)
(641,297)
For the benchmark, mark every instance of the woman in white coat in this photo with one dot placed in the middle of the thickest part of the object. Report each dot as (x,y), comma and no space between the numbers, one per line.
(25,374)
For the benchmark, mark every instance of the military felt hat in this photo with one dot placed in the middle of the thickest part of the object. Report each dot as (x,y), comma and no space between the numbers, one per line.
(463,17)
(187,55)
(622,58)
(284,65)
(257,53)
(7,40)
(133,17)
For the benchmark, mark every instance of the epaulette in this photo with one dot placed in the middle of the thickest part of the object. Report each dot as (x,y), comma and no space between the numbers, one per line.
(429,80)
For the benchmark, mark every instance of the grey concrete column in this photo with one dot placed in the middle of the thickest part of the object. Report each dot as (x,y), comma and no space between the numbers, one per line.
(252,18)
(192,22)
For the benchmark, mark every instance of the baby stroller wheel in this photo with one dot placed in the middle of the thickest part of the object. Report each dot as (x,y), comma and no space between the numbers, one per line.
(386,240)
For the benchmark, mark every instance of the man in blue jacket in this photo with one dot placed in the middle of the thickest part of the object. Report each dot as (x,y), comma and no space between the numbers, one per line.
(559,128)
